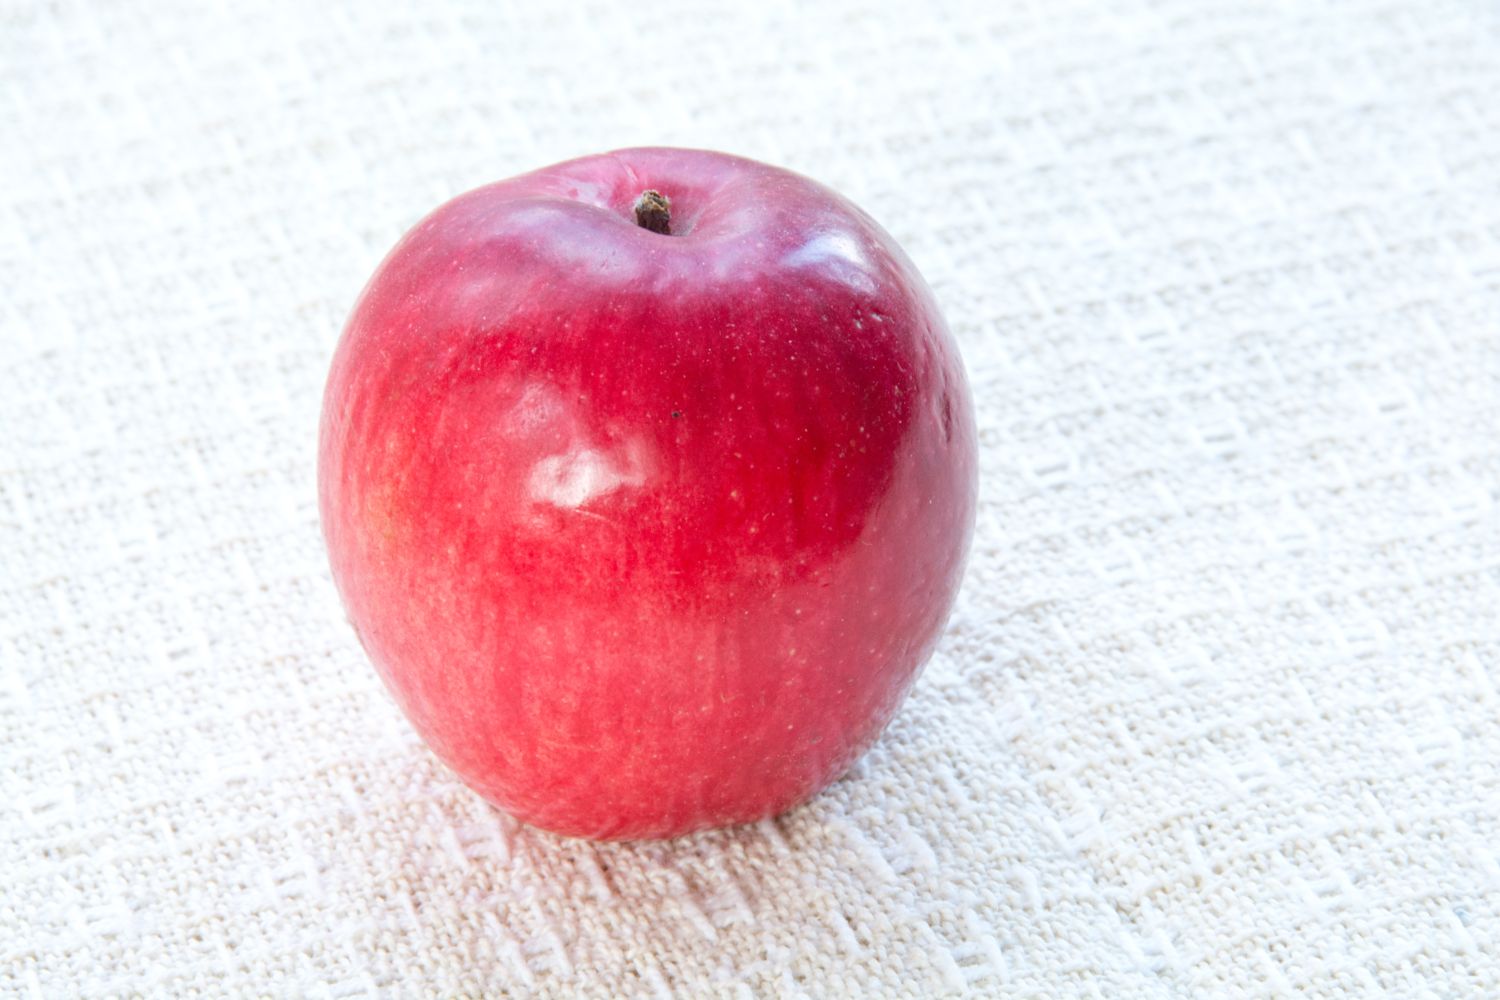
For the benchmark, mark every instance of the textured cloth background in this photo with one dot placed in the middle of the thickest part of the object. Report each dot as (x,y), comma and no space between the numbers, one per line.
(1217,713)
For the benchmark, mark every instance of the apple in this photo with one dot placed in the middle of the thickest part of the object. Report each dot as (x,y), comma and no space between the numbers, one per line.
(647,481)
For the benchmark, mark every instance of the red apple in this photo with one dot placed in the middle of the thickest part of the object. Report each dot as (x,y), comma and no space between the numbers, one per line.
(647,509)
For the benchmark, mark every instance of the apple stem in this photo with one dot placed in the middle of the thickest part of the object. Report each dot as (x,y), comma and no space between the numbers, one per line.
(654,212)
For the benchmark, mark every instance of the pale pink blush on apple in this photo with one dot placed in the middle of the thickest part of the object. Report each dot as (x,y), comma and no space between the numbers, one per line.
(647,532)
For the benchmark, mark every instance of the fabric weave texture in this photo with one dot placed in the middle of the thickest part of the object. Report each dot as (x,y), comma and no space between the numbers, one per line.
(1218,713)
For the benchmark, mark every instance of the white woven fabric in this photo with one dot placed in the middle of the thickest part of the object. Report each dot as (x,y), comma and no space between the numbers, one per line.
(1217,713)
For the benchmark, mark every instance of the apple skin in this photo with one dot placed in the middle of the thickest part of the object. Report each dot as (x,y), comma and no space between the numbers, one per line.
(647,533)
